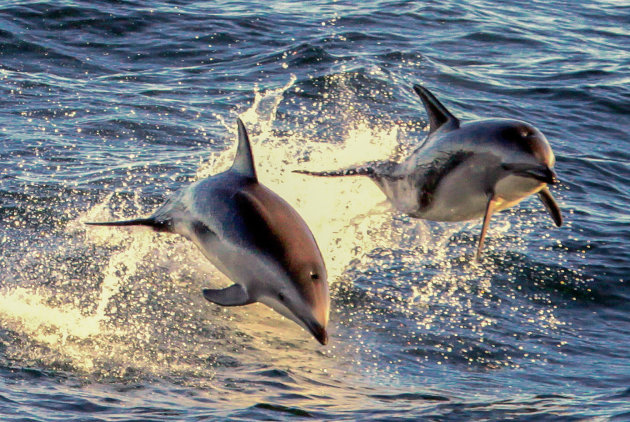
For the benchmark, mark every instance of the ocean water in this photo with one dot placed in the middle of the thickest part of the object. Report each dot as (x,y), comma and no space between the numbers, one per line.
(109,107)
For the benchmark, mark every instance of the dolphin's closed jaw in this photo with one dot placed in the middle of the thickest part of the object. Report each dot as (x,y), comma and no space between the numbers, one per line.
(553,178)
(319,332)
(541,173)
(545,175)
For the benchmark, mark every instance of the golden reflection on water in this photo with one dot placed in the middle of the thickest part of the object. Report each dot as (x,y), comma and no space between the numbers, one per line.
(145,313)
(112,335)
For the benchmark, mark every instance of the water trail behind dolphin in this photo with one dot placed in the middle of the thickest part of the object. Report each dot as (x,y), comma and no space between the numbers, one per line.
(141,299)
(132,304)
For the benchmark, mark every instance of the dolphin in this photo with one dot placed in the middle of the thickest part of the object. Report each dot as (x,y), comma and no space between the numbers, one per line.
(465,170)
(253,237)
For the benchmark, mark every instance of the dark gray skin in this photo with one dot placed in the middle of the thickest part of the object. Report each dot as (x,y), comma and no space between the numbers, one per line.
(464,171)
(254,237)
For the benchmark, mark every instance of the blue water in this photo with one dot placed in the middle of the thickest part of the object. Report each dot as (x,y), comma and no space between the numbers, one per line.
(108,107)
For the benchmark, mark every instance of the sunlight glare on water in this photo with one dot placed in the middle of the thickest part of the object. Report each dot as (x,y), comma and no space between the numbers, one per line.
(348,216)
(343,213)
(109,108)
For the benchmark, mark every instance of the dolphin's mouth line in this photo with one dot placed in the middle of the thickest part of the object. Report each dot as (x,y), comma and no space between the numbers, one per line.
(545,175)
(318,331)
(541,173)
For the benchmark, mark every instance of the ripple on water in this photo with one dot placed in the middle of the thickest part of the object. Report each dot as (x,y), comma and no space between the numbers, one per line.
(109,107)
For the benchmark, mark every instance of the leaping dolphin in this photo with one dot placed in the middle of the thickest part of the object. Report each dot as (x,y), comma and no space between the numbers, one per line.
(252,236)
(465,171)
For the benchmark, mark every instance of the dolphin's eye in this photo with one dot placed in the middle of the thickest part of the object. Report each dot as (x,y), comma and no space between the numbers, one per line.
(314,276)
(281,296)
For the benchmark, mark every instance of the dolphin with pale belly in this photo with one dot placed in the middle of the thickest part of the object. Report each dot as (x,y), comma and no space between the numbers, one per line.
(252,236)
(465,171)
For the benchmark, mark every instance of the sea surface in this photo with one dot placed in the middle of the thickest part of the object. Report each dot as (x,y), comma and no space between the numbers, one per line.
(108,107)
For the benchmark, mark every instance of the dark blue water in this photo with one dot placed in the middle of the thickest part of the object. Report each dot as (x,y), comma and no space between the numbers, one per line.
(108,107)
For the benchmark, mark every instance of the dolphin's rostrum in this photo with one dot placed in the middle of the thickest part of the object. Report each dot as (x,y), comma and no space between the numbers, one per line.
(465,171)
(254,237)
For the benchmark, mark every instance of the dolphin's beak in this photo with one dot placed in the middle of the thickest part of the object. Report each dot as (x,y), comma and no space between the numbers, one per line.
(544,174)
(541,173)
(318,331)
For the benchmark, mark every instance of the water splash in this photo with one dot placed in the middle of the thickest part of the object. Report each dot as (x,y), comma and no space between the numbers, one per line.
(140,310)
(115,322)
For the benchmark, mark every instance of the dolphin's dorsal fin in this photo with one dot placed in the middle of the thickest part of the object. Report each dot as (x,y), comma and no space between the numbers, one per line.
(439,116)
(244,160)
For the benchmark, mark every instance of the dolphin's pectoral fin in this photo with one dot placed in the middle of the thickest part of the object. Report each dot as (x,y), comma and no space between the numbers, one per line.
(551,206)
(235,295)
(486,221)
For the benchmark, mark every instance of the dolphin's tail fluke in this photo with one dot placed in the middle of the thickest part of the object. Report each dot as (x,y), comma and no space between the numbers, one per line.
(353,171)
(151,222)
